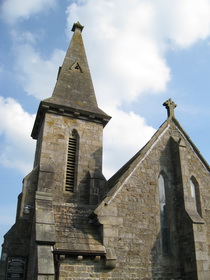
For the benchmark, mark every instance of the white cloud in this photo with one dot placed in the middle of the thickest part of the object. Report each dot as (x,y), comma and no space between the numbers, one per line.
(125,49)
(183,22)
(123,137)
(133,35)
(22,37)
(17,148)
(36,74)
(128,42)
(12,10)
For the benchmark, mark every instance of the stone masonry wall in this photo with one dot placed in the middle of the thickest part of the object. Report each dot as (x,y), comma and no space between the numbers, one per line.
(56,133)
(138,239)
(131,226)
(131,222)
(88,268)
(197,210)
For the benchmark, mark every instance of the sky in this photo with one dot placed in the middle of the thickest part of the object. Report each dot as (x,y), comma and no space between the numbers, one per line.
(140,53)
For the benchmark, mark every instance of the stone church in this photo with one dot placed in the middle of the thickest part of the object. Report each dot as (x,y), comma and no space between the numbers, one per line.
(150,220)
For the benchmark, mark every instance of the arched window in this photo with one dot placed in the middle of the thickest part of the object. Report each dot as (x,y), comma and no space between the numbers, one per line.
(165,240)
(71,168)
(195,194)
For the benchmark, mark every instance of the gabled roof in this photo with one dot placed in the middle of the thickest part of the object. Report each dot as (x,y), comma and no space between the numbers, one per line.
(119,179)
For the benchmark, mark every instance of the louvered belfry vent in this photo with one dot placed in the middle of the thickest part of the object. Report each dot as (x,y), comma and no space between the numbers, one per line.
(71,164)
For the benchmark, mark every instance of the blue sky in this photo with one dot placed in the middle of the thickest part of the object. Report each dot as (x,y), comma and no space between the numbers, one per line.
(140,52)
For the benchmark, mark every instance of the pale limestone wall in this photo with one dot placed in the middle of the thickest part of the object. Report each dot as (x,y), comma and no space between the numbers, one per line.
(53,158)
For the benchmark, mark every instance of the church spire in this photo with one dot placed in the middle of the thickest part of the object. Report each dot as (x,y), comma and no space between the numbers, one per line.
(74,86)
(74,93)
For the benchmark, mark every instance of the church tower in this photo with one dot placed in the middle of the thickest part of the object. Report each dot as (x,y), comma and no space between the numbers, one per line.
(68,129)
(66,181)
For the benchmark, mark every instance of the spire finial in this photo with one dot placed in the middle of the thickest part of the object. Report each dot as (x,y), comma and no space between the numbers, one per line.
(77,26)
(170,106)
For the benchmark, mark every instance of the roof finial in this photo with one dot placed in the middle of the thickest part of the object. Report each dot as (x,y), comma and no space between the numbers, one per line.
(170,106)
(77,26)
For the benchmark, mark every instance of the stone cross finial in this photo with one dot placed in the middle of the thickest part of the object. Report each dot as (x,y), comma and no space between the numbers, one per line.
(170,106)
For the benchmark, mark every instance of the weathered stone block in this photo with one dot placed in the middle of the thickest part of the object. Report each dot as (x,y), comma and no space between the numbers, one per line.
(45,260)
(45,233)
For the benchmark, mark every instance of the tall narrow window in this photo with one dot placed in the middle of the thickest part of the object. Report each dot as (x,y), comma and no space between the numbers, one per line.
(163,216)
(71,162)
(192,189)
(195,194)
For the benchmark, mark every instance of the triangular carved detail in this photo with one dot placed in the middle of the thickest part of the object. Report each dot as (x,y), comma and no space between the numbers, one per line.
(76,67)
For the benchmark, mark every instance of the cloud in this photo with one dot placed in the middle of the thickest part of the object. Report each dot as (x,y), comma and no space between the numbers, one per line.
(131,39)
(126,44)
(130,49)
(21,37)
(128,41)
(12,10)
(17,148)
(183,22)
(36,74)
(123,137)
(125,50)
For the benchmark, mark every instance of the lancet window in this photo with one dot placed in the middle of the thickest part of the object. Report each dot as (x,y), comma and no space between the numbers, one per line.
(164,225)
(195,194)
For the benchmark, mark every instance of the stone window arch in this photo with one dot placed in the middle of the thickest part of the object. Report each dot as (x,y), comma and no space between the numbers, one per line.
(164,223)
(195,194)
(72,162)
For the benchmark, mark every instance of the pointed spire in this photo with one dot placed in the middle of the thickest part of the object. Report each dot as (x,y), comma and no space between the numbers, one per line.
(74,86)
(74,92)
